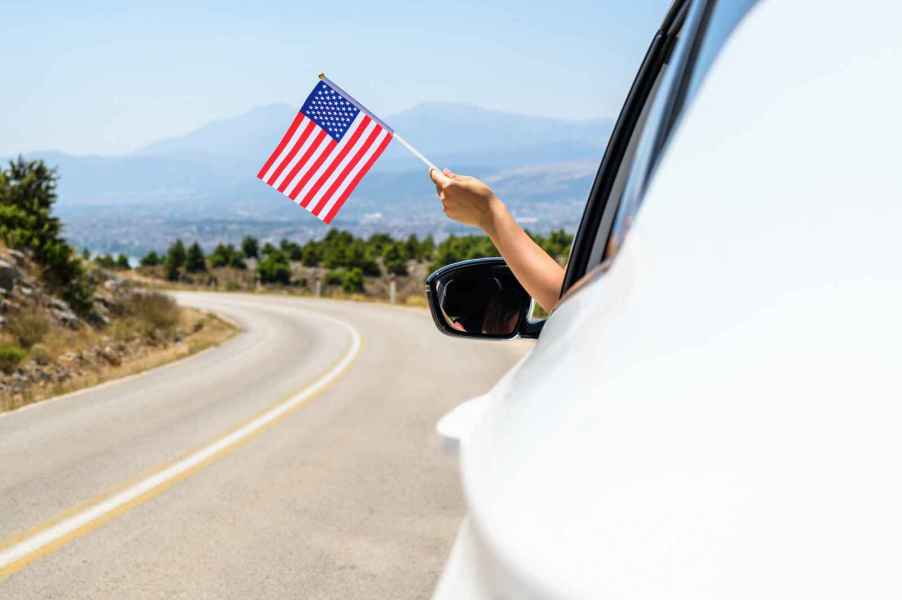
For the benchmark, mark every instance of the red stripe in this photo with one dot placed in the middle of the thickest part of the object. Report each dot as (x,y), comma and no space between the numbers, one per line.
(300,164)
(340,157)
(291,154)
(330,146)
(344,196)
(272,158)
(344,173)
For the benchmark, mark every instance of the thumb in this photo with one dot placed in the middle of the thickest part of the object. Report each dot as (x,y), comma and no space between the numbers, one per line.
(449,173)
(439,178)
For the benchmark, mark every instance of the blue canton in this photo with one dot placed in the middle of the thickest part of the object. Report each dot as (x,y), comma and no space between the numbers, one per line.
(328,109)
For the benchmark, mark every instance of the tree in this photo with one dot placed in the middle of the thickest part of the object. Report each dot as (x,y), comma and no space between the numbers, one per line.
(291,249)
(194,259)
(268,249)
(27,196)
(311,254)
(352,282)
(274,268)
(175,260)
(250,247)
(394,257)
(151,259)
(105,261)
(122,263)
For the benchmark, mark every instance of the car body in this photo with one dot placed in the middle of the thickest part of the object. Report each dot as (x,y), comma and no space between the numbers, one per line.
(713,408)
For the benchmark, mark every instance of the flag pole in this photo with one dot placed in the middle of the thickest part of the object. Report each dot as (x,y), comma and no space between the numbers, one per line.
(395,134)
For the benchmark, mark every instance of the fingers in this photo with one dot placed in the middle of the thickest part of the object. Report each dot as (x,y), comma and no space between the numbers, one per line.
(449,173)
(440,179)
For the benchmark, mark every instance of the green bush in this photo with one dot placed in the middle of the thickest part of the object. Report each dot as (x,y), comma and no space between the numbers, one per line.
(352,282)
(274,268)
(10,357)
(151,259)
(28,326)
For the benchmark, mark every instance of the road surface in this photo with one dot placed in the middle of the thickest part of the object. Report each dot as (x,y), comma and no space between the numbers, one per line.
(297,460)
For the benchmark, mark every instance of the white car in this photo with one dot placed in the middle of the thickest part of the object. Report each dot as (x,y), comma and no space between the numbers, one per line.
(714,409)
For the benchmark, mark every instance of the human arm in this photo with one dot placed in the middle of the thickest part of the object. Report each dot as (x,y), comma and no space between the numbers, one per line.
(470,201)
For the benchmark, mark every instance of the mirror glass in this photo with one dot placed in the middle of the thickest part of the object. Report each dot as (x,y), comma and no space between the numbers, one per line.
(484,300)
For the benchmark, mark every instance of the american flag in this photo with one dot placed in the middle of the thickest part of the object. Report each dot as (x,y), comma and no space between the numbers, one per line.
(331,144)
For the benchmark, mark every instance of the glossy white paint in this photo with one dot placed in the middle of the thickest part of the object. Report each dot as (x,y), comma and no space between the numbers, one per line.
(719,416)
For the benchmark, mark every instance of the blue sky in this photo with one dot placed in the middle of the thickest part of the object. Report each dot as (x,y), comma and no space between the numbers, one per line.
(110,77)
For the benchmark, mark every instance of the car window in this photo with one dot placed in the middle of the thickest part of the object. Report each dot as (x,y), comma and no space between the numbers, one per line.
(713,22)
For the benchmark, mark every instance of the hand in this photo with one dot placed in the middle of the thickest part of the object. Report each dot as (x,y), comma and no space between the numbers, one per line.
(466,199)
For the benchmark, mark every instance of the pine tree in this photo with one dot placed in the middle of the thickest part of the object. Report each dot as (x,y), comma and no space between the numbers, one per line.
(250,247)
(194,259)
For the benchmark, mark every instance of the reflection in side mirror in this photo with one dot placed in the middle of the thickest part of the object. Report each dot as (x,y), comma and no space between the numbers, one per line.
(479,298)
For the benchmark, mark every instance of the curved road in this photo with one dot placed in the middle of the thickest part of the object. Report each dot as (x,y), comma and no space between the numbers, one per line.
(296,460)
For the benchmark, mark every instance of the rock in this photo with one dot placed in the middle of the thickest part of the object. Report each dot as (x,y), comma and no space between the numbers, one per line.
(9,275)
(109,355)
(66,317)
(17,256)
(59,304)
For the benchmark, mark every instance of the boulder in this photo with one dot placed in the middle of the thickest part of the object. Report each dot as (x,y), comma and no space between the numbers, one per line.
(9,275)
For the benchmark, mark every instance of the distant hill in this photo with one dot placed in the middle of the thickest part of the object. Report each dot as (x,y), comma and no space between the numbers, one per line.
(209,174)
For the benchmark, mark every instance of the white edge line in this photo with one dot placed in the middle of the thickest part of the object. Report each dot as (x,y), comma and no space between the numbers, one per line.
(48,536)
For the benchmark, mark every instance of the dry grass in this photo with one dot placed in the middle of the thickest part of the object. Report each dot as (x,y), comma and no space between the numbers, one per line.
(207,331)
(28,326)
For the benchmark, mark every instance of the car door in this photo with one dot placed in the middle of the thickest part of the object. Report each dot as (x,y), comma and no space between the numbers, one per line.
(499,552)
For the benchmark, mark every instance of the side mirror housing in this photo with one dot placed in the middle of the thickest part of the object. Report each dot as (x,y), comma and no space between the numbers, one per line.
(480,298)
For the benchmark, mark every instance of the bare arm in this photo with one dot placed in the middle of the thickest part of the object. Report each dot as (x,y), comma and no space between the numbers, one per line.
(470,201)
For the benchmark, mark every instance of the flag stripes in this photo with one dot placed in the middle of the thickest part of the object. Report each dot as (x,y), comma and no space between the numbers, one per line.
(325,153)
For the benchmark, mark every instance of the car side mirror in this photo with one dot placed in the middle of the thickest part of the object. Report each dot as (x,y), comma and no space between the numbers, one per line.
(480,298)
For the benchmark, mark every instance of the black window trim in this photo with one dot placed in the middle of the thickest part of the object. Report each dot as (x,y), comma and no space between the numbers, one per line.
(655,58)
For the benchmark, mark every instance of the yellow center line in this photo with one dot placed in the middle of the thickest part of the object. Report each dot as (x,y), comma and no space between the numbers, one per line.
(23,548)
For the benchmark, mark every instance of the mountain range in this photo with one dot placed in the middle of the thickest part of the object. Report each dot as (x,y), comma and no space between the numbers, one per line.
(541,166)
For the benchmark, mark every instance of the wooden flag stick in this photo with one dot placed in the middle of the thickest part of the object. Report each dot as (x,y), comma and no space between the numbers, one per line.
(395,134)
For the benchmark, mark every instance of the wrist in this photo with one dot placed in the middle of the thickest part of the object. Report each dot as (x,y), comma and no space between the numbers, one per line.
(495,216)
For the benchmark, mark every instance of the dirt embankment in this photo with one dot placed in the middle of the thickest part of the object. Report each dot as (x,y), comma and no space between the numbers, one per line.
(46,349)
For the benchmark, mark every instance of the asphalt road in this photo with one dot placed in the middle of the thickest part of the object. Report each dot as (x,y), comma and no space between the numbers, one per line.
(298,460)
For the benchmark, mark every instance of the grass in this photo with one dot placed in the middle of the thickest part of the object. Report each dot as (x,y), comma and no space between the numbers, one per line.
(206,330)
(28,326)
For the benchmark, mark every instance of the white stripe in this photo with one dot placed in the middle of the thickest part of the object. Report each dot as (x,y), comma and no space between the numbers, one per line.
(347,181)
(297,157)
(373,125)
(286,149)
(323,167)
(324,143)
(36,542)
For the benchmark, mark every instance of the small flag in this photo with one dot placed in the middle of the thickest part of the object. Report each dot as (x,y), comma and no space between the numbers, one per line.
(329,147)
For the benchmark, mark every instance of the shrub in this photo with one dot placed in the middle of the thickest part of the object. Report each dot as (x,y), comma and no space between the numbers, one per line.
(151,259)
(10,357)
(274,268)
(154,313)
(40,354)
(29,326)
(122,263)
(352,282)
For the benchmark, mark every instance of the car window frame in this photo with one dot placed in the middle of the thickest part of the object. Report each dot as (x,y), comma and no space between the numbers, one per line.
(598,217)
